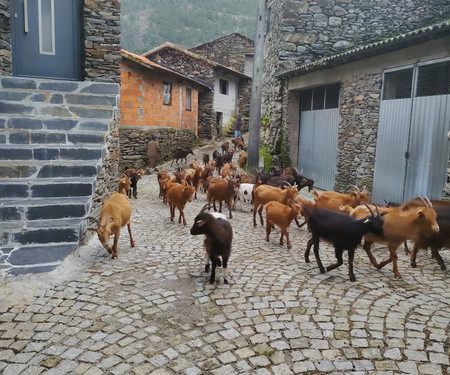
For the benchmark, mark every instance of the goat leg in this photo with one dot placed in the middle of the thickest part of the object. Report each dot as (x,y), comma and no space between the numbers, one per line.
(308,249)
(338,255)
(351,256)
(413,255)
(114,247)
(435,254)
(288,242)
(131,237)
(260,214)
(207,260)
(372,259)
(213,271)
(268,230)
(316,254)
(225,270)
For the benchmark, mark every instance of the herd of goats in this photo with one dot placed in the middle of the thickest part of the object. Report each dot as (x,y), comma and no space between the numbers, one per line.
(340,219)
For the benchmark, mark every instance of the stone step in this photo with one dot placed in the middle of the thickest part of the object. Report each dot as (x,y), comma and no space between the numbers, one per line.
(46,124)
(20,152)
(42,213)
(55,110)
(45,85)
(34,258)
(21,189)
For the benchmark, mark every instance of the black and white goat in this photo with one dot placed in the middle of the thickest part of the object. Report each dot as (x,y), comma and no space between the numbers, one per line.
(342,231)
(218,240)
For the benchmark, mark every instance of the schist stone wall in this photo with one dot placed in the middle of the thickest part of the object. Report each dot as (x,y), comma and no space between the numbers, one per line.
(302,32)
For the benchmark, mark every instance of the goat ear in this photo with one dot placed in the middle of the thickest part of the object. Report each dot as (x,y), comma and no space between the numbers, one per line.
(420,214)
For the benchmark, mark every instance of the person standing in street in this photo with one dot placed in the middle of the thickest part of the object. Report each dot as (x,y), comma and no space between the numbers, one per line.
(154,153)
(237,127)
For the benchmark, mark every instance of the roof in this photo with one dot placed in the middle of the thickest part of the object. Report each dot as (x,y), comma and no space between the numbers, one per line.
(222,37)
(169,45)
(141,60)
(387,45)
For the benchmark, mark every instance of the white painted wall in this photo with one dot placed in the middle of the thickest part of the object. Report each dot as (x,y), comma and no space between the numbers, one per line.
(227,104)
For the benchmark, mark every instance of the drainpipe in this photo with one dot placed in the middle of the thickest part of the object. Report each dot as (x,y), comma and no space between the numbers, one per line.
(255,101)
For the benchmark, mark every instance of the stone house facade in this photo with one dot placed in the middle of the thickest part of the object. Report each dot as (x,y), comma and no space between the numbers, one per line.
(58,126)
(235,51)
(302,35)
(217,107)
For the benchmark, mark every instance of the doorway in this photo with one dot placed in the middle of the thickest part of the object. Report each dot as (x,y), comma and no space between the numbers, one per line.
(46,38)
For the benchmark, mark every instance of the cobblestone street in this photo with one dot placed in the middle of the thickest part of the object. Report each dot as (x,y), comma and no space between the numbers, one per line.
(152,310)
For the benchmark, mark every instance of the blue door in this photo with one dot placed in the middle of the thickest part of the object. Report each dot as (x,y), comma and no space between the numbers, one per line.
(47,38)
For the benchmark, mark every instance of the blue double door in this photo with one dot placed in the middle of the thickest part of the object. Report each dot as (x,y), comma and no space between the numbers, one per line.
(46,38)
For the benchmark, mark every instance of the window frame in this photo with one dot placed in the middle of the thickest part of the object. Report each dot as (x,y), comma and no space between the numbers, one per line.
(227,86)
(188,99)
(166,101)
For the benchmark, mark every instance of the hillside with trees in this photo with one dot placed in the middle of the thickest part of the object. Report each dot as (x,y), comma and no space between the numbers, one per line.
(148,23)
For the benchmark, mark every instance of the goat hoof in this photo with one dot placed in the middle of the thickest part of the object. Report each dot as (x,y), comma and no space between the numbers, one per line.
(225,281)
(413,264)
(207,267)
(322,270)
(352,278)
(398,276)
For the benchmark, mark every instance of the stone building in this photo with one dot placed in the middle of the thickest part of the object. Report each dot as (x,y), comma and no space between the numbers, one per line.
(59,91)
(217,107)
(235,51)
(155,99)
(327,76)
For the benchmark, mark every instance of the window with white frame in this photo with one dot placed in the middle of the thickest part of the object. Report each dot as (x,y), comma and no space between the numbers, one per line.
(167,97)
(188,99)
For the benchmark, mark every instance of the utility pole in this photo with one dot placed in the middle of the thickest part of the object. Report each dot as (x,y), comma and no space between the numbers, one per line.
(255,101)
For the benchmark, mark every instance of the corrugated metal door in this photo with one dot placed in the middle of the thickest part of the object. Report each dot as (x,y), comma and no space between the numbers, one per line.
(412,146)
(318,146)
(319,121)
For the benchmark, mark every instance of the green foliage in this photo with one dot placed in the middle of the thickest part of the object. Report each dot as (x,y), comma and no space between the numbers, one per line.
(264,152)
(147,24)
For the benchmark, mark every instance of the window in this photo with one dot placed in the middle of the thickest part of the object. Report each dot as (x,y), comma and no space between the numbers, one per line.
(321,97)
(434,79)
(397,85)
(46,14)
(167,97)
(420,80)
(188,99)
(223,87)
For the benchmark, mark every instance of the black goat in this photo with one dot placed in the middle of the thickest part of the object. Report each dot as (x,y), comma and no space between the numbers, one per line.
(205,159)
(342,231)
(218,239)
(294,177)
(134,177)
(180,155)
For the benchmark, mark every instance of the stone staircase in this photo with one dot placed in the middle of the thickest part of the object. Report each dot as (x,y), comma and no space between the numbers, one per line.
(53,139)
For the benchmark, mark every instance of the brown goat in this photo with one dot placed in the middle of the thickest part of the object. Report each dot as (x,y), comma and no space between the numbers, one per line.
(265,193)
(332,200)
(177,196)
(399,225)
(238,143)
(115,213)
(281,215)
(124,185)
(229,169)
(243,159)
(221,190)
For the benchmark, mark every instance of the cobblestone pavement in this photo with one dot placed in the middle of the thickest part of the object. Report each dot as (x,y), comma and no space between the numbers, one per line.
(152,310)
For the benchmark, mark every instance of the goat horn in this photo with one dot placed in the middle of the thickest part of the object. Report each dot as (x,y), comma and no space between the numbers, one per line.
(378,211)
(107,219)
(370,210)
(424,201)
(206,206)
(94,219)
(429,202)
(356,188)
(296,171)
